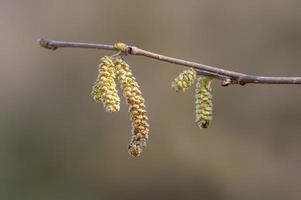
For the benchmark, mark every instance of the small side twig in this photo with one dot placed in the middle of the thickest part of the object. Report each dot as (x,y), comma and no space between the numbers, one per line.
(226,76)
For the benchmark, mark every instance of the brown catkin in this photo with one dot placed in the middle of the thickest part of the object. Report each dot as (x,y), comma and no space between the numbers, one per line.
(135,100)
(104,89)
(203,102)
(184,80)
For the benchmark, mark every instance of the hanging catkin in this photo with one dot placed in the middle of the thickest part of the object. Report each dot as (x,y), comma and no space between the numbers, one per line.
(203,102)
(104,89)
(184,80)
(135,100)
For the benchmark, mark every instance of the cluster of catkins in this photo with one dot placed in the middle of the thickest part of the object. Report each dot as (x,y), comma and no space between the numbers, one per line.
(104,90)
(203,96)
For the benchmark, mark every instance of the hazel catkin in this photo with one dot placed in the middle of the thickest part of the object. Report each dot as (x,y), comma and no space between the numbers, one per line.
(104,89)
(203,102)
(135,100)
(184,80)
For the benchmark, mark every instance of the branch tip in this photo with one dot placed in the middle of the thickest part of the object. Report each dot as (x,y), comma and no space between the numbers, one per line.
(46,44)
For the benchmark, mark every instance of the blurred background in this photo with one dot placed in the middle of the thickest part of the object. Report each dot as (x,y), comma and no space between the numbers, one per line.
(56,143)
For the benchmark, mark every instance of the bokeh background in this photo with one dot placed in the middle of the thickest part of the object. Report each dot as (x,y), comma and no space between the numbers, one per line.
(56,143)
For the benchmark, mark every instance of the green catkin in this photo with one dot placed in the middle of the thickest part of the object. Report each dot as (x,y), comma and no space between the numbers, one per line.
(184,80)
(203,102)
(104,89)
(135,100)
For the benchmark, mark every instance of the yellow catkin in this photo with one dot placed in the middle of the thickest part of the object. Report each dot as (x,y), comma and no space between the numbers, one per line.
(104,89)
(135,100)
(203,103)
(184,80)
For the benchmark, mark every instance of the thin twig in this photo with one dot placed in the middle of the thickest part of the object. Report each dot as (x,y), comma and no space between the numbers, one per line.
(227,77)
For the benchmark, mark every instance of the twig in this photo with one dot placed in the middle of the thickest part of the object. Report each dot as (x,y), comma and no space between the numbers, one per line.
(227,77)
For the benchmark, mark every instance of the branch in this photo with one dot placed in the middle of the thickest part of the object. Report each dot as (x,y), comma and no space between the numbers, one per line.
(227,77)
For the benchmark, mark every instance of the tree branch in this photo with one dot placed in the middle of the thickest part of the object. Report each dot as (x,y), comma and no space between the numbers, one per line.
(227,77)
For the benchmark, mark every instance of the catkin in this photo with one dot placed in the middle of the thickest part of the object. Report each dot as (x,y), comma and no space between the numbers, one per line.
(104,89)
(184,80)
(203,103)
(135,100)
